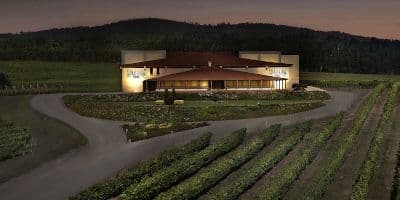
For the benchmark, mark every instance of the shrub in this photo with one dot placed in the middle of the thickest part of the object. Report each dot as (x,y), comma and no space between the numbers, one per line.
(169,98)
(4,80)
(315,188)
(250,175)
(14,141)
(360,188)
(149,187)
(280,183)
(115,186)
(194,186)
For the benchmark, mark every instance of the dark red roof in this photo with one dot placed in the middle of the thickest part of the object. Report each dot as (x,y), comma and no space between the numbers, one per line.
(214,73)
(200,59)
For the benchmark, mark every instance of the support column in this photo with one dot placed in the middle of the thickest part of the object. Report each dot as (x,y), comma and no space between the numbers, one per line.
(237,84)
(186,85)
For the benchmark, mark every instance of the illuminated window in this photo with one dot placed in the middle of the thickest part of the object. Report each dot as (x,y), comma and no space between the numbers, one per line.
(255,84)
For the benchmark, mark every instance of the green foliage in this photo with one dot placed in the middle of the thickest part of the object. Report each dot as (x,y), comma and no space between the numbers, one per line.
(218,96)
(33,77)
(151,113)
(341,84)
(319,51)
(281,182)
(207,177)
(115,186)
(4,80)
(316,187)
(169,98)
(149,187)
(14,141)
(250,175)
(140,131)
(367,172)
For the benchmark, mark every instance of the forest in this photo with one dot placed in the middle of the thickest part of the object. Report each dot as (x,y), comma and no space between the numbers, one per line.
(319,51)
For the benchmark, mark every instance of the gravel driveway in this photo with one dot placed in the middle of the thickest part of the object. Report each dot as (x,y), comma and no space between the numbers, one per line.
(108,152)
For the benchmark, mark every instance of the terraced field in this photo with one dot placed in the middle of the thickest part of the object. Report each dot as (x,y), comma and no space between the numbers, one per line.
(342,157)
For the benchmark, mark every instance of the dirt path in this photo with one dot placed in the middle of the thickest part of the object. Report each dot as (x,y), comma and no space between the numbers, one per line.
(107,152)
(381,184)
(259,185)
(51,137)
(342,184)
(299,185)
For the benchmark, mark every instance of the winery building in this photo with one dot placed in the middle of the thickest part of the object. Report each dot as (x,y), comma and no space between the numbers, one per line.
(157,70)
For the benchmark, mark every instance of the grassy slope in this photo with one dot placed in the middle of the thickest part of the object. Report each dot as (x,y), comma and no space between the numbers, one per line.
(75,76)
(50,137)
(346,76)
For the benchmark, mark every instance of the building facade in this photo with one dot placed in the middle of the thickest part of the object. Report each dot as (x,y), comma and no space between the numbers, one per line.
(154,70)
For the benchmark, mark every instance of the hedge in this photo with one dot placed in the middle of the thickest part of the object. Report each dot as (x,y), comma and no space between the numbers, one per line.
(149,187)
(220,96)
(341,84)
(251,174)
(367,172)
(316,187)
(115,186)
(281,182)
(196,185)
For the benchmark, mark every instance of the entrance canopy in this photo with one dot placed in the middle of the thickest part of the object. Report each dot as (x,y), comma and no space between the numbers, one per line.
(215,73)
(216,78)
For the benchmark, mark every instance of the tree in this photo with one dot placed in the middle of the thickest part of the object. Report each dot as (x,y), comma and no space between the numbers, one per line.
(4,80)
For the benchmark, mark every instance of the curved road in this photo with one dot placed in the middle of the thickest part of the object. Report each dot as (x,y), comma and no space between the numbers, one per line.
(108,152)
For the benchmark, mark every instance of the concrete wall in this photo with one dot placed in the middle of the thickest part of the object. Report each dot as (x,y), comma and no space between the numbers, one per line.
(270,56)
(291,73)
(135,56)
(129,83)
(294,70)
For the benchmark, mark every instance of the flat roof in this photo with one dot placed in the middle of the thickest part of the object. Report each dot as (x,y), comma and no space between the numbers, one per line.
(214,73)
(202,59)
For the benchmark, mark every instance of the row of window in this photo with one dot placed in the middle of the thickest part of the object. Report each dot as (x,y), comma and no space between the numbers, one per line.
(152,71)
(205,84)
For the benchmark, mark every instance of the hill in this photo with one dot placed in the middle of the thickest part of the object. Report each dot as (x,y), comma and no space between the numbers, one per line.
(319,51)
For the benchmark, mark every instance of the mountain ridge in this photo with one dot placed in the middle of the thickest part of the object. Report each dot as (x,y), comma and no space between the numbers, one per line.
(330,51)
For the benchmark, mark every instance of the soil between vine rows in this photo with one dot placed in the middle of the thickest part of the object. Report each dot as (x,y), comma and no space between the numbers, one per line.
(260,184)
(342,184)
(381,185)
(299,185)
(282,135)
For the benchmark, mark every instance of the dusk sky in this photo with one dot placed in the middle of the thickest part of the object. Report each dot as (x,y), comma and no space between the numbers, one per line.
(379,18)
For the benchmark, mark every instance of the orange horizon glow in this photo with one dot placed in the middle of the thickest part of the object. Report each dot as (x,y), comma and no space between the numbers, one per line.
(379,19)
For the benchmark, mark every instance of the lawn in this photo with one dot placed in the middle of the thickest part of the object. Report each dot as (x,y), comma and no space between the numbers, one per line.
(191,111)
(347,76)
(63,76)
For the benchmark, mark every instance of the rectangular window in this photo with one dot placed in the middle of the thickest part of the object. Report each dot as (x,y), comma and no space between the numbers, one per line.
(151,71)
(230,84)
(255,84)
(158,71)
